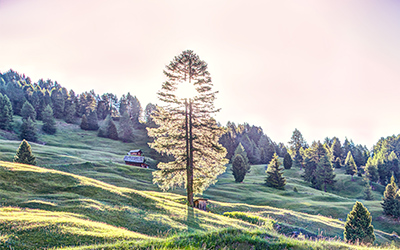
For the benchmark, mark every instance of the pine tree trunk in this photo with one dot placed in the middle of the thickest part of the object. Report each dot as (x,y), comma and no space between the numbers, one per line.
(189,152)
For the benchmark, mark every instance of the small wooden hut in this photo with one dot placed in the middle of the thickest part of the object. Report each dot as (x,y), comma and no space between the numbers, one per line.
(135,158)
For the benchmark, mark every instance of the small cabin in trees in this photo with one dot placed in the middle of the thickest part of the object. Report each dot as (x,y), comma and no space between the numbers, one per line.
(135,158)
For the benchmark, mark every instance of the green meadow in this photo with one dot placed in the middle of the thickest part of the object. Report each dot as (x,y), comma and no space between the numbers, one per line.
(82,196)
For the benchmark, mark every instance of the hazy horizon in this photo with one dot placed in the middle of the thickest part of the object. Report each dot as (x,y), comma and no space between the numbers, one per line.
(326,68)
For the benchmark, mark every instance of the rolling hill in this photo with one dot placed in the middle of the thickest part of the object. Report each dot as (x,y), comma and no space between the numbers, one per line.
(83,197)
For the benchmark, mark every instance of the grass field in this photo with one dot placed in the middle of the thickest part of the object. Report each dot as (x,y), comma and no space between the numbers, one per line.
(83,194)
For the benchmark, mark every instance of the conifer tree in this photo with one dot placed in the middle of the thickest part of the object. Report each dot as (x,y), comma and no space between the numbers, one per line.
(287,161)
(84,123)
(324,175)
(358,228)
(296,143)
(58,102)
(337,152)
(108,129)
(28,111)
(70,110)
(240,150)
(112,131)
(187,131)
(350,165)
(312,157)
(28,130)
(371,171)
(93,123)
(24,154)
(6,112)
(393,163)
(126,127)
(49,123)
(275,177)
(239,167)
(367,189)
(391,205)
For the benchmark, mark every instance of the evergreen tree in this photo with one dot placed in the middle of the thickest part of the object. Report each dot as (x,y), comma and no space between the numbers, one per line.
(371,171)
(108,129)
(324,175)
(93,123)
(346,148)
(367,190)
(24,154)
(49,123)
(148,112)
(393,163)
(112,130)
(239,168)
(6,112)
(28,130)
(70,108)
(187,130)
(287,161)
(84,123)
(28,111)
(358,228)
(266,148)
(58,102)
(350,165)
(126,127)
(390,204)
(337,152)
(275,177)
(336,148)
(296,143)
(241,151)
(312,158)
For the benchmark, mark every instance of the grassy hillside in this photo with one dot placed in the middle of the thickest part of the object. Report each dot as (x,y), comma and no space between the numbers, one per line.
(44,208)
(83,194)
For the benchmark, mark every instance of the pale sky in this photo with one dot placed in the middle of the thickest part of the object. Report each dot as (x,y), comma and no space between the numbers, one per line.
(325,67)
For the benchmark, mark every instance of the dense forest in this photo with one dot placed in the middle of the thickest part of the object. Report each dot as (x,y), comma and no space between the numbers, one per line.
(47,100)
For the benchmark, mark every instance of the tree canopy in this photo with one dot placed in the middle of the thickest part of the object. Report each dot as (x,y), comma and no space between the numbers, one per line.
(191,139)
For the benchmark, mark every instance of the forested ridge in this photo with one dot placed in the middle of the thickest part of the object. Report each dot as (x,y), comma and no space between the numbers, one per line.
(324,166)
(23,97)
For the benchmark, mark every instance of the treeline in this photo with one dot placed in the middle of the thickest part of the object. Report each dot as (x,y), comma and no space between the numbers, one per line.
(258,146)
(88,107)
(384,162)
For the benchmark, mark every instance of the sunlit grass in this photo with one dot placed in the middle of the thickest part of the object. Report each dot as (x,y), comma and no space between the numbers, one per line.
(83,184)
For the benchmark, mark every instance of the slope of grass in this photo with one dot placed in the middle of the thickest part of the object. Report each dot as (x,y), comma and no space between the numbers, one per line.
(84,176)
(42,203)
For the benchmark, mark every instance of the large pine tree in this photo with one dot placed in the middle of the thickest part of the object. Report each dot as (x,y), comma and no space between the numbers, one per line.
(358,228)
(239,168)
(296,143)
(391,205)
(350,165)
(371,171)
(24,154)
(93,123)
(324,175)
(28,111)
(6,112)
(126,127)
(28,130)
(84,123)
(49,123)
(187,130)
(287,161)
(275,177)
